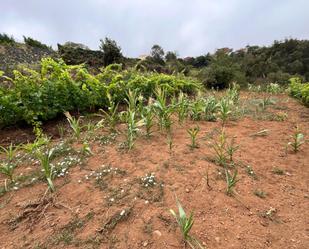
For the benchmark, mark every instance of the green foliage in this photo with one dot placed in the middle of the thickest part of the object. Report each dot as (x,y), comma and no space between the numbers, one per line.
(132,127)
(112,52)
(297,139)
(299,90)
(57,88)
(8,166)
(182,107)
(185,224)
(74,124)
(225,111)
(5,39)
(148,117)
(47,167)
(231,181)
(35,43)
(210,108)
(193,135)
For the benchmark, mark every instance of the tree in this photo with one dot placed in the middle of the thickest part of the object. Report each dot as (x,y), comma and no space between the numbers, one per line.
(170,56)
(112,52)
(157,54)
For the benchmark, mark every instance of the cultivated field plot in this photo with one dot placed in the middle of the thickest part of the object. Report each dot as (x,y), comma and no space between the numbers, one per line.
(238,161)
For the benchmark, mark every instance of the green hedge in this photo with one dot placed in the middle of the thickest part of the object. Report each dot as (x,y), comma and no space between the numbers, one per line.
(299,90)
(57,87)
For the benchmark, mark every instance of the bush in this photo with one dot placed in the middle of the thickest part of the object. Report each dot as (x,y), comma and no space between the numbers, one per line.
(5,39)
(35,43)
(299,90)
(57,87)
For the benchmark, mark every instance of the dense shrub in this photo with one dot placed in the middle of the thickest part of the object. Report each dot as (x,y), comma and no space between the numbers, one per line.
(57,87)
(5,39)
(35,43)
(299,90)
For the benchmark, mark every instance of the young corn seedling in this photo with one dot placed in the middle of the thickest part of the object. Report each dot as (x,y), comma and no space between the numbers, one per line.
(233,93)
(224,110)
(148,117)
(111,115)
(75,124)
(197,109)
(231,148)
(86,150)
(7,168)
(193,135)
(231,181)
(133,128)
(219,147)
(297,139)
(163,110)
(47,167)
(185,224)
(182,107)
(210,109)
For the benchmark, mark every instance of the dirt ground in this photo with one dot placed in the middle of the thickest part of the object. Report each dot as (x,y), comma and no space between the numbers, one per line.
(104,203)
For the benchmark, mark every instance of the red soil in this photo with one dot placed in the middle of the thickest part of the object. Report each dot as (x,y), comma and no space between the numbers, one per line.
(220,221)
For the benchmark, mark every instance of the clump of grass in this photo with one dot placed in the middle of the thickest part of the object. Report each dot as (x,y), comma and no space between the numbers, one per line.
(185,224)
(193,132)
(297,139)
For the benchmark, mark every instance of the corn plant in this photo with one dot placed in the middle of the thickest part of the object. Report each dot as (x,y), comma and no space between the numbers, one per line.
(185,224)
(297,139)
(193,135)
(265,102)
(47,167)
(182,107)
(111,115)
(233,94)
(197,109)
(231,181)
(36,144)
(86,150)
(148,117)
(74,124)
(224,110)
(231,148)
(7,168)
(163,110)
(132,128)
(210,108)
(219,147)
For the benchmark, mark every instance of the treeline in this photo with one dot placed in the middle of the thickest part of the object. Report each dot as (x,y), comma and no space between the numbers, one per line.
(253,64)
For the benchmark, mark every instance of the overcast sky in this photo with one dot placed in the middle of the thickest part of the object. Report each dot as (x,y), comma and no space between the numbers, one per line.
(191,27)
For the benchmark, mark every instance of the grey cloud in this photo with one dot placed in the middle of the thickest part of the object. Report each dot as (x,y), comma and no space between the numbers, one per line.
(190,27)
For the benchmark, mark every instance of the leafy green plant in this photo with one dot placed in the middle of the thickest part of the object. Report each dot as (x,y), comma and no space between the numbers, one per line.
(36,144)
(231,148)
(86,150)
(74,124)
(210,108)
(193,135)
(111,115)
(231,181)
(197,108)
(297,139)
(219,148)
(163,110)
(7,168)
(132,128)
(182,107)
(47,167)
(224,110)
(148,117)
(185,224)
